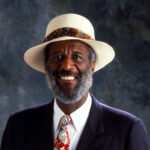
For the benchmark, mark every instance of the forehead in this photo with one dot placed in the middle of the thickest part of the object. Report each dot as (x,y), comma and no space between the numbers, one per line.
(71,45)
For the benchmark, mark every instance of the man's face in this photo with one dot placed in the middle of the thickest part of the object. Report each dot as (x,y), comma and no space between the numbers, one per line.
(68,69)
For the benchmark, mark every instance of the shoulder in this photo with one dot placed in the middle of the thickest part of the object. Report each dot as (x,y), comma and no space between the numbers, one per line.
(121,124)
(32,113)
(116,118)
(113,112)
(126,129)
(118,114)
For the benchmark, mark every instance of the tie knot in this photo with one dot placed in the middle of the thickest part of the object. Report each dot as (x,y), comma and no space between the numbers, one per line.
(65,120)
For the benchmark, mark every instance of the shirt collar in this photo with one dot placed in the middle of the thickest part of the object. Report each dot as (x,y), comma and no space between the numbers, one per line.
(79,116)
(58,113)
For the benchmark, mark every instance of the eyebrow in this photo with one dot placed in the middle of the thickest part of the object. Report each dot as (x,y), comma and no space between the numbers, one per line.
(56,52)
(76,52)
(79,52)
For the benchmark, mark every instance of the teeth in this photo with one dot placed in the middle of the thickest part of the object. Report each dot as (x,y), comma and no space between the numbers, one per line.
(67,77)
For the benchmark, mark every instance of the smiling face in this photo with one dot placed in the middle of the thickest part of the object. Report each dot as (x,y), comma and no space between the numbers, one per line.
(69,69)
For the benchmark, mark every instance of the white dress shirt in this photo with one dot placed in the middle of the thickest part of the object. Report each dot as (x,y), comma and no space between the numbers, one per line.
(79,118)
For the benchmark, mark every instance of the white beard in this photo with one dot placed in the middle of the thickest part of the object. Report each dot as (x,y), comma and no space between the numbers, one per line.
(80,90)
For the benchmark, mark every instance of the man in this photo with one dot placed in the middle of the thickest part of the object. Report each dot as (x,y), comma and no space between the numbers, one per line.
(74,119)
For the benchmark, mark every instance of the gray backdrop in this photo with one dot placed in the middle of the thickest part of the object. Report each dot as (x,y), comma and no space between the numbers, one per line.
(125,24)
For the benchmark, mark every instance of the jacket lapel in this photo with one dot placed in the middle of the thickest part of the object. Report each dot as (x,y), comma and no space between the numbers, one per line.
(43,132)
(48,139)
(93,135)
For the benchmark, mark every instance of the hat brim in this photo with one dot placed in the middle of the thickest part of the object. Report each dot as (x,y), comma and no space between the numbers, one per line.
(34,56)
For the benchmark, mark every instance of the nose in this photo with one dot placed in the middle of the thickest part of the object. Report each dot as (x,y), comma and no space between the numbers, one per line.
(67,64)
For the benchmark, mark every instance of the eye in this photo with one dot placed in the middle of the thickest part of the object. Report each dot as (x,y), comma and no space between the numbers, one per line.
(58,57)
(76,56)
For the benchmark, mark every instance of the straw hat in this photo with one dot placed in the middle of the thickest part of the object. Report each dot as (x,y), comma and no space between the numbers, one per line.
(69,27)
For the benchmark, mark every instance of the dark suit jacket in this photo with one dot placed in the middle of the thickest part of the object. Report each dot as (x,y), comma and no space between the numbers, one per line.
(106,129)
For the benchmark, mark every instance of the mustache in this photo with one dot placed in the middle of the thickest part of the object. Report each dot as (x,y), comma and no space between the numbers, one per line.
(67,73)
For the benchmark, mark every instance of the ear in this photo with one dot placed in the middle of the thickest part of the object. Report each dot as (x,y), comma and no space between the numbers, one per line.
(93,66)
(45,67)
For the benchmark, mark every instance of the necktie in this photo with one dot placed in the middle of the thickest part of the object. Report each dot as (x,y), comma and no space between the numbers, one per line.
(62,141)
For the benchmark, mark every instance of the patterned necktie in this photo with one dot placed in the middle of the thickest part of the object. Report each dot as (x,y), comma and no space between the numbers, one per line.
(62,141)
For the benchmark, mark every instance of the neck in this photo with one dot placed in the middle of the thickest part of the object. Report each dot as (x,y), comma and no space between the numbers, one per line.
(69,108)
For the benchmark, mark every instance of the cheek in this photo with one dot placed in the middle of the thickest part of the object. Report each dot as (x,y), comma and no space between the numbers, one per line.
(84,64)
(83,68)
(51,67)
